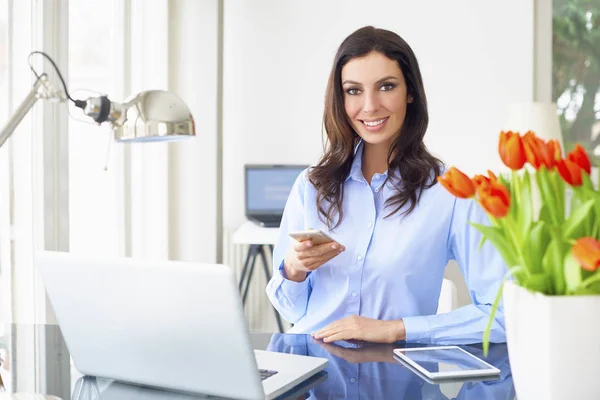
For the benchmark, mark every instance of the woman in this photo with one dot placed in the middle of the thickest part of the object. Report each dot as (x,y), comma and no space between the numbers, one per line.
(374,191)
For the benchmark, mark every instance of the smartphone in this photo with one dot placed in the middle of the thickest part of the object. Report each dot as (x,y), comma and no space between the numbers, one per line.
(316,236)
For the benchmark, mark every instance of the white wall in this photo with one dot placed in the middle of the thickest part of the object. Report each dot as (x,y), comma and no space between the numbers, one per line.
(476,58)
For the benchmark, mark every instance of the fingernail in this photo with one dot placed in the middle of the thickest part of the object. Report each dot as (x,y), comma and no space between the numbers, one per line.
(342,248)
(308,244)
(334,246)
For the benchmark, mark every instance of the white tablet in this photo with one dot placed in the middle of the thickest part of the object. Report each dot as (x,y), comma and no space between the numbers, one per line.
(445,362)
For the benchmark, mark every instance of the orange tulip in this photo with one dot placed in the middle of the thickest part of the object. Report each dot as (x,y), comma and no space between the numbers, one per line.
(457,183)
(579,156)
(511,150)
(538,152)
(532,152)
(570,172)
(587,253)
(494,198)
(479,180)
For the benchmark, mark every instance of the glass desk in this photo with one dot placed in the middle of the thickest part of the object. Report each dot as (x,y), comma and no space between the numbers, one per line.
(35,360)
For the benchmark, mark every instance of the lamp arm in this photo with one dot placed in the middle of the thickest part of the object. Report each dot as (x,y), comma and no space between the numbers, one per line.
(40,89)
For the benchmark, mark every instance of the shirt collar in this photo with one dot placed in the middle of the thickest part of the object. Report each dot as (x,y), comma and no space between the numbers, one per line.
(356,169)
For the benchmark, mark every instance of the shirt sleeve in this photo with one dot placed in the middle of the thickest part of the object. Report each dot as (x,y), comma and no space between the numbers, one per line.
(288,297)
(483,270)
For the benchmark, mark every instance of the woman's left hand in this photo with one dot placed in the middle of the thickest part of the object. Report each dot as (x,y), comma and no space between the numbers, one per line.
(362,328)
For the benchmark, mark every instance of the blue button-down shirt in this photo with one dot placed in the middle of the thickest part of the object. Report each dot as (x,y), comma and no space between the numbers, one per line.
(392,267)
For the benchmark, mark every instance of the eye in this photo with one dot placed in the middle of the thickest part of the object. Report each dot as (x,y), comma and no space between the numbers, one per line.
(353,91)
(387,86)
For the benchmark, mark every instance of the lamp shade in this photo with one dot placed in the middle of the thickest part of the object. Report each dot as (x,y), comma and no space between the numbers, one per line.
(541,118)
(152,116)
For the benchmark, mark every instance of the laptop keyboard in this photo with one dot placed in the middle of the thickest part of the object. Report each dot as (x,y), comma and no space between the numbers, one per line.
(265,373)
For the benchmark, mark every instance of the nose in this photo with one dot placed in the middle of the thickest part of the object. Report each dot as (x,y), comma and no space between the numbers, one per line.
(371,104)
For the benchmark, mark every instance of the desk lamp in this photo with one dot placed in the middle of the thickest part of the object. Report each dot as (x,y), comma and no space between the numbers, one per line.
(150,116)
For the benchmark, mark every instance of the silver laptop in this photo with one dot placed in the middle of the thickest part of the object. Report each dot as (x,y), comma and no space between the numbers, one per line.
(167,324)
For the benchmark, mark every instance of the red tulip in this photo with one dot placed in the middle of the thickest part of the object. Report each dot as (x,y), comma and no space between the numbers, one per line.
(457,183)
(570,172)
(579,156)
(511,150)
(587,253)
(494,198)
(554,148)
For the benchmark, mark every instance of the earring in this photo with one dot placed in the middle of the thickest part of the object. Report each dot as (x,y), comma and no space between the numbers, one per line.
(410,99)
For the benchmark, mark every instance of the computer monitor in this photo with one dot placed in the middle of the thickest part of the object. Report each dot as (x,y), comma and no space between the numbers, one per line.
(267,189)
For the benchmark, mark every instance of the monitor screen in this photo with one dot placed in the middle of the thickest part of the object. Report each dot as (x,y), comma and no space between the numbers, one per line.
(268,187)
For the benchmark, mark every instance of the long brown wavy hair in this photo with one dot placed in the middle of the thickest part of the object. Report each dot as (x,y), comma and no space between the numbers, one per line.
(411,168)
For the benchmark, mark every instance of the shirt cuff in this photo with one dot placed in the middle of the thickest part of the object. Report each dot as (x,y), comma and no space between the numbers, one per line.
(417,329)
(290,288)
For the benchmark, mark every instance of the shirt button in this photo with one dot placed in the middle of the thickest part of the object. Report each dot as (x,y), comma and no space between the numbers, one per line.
(359,258)
(352,380)
(369,225)
(354,294)
(377,190)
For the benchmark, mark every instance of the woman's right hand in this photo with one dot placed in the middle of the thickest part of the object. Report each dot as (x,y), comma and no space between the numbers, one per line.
(304,257)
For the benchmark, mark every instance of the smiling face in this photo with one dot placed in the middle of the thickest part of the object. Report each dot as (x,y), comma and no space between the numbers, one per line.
(375,97)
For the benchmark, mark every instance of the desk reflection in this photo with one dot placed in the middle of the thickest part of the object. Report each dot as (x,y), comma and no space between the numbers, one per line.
(370,371)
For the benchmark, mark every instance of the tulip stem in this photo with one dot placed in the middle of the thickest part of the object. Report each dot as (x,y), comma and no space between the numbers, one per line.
(516,186)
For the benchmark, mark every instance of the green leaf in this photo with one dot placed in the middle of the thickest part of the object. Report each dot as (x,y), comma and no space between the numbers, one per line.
(595,287)
(538,283)
(488,328)
(481,243)
(592,280)
(583,291)
(544,214)
(596,223)
(552,265)
(496,236)
(534,247)
(504,181)
(577,219)
(559,186)
(587,182)
(575,200)
(572,273)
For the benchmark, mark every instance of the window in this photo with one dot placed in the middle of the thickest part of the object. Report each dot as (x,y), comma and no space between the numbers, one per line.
(94,194)
(576,72)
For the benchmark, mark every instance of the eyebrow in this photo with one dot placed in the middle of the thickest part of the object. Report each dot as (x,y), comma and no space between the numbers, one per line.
(387,78)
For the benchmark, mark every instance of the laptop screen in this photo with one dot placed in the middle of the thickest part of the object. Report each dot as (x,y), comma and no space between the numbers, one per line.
(268,187)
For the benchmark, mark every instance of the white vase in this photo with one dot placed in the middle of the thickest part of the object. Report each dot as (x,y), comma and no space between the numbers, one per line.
(553,344)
